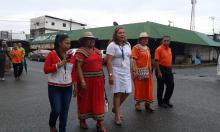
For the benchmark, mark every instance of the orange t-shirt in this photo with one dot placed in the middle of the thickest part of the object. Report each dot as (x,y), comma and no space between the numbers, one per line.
(16,56)
(163,55)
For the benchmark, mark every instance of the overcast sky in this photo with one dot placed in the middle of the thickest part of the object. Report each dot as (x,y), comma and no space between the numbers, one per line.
(96,13)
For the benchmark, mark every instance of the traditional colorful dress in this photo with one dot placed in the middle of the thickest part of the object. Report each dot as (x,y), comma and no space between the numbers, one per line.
(91,100)
(143,88)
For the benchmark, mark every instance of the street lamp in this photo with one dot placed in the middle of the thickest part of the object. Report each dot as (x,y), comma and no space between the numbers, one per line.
(170,22)
(212,18)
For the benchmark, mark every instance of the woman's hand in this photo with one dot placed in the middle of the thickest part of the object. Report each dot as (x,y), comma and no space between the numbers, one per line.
(83,84)
(75,90)
(61,63)
(111,80)
(134,74)
(159,74)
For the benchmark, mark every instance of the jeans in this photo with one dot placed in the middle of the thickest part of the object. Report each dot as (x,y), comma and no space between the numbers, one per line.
(59,98)
(2,68)
(18,68)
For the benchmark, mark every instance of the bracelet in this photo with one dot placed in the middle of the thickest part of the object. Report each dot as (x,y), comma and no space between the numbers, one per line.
(110,74)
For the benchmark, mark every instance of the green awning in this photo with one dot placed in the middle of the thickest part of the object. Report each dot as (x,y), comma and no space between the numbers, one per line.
(132,31)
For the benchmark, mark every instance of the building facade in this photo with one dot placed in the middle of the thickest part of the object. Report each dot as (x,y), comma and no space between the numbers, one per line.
(49,24)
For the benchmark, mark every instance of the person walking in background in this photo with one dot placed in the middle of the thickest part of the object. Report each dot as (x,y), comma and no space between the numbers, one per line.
(23,57)
(16,56)
(164,74)
(119,70)
(3,53)
(142,73)
(60,69)
(90,76)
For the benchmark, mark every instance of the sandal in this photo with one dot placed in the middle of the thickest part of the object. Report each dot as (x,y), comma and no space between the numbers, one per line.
(113,111)
(138,107)
(100,128)
(149,107)
(83,124)
(118,123)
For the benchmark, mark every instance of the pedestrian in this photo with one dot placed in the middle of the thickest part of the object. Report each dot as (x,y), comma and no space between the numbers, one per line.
(119,70)
(16,56)
(23,57)
(61,77)
(3,53)
(142,73)
(90,78)
(164,73)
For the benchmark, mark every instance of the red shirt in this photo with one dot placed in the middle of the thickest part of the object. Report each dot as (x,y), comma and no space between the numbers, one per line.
(163,55)
(56,75)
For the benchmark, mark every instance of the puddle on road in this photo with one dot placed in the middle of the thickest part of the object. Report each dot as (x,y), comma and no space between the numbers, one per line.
(201,76)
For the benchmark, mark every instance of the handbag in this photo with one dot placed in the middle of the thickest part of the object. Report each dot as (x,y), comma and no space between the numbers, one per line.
(106,102)
(143,72)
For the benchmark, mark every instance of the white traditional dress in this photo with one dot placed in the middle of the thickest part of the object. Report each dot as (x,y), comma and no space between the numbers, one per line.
(121,67)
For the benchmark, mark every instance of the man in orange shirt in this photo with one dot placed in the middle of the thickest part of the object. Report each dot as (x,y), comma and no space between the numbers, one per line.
(16,58)
(163,58)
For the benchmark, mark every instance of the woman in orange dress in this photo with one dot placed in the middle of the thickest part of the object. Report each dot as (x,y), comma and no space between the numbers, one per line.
(143,88)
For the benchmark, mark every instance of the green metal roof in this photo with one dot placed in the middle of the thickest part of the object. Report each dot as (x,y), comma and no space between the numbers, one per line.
(154,30)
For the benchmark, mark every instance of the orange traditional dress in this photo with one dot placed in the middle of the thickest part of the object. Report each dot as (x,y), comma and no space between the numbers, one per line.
(90,101)
(144,87)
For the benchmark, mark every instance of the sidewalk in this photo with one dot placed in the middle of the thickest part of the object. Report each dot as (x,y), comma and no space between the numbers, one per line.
(193,65)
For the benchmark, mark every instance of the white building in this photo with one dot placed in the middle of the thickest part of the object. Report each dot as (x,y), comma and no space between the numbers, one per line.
(9,35)
(49,24)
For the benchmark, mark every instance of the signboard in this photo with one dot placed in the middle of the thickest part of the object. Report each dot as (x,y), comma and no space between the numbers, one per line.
(217,37)
(42,46)
(47,37)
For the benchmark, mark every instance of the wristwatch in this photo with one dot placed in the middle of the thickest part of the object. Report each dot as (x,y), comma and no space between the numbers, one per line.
(110,74)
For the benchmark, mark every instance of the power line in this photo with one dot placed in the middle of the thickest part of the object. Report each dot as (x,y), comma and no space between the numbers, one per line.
(14,20)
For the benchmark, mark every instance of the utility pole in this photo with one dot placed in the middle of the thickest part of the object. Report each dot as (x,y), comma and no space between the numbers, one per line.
(192,22)
(71,24)
(213,24)
(11,39)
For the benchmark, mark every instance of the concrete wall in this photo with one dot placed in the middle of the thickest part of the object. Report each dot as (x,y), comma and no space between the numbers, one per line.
(46,22)
(37,23)
(59,25)
(205,53)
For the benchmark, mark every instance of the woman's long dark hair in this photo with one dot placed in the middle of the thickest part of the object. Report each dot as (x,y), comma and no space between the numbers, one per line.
(58,41)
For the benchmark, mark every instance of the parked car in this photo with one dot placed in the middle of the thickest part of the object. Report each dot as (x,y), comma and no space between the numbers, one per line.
(38,55)
(103,52)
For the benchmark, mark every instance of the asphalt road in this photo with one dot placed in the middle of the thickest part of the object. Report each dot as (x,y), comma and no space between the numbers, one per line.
(24,105)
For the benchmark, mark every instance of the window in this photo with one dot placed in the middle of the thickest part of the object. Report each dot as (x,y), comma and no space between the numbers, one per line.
(52,23)
(64,24)
(37,23)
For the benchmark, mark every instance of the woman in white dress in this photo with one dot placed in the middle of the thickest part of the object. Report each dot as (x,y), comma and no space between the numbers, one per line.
(119,69)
